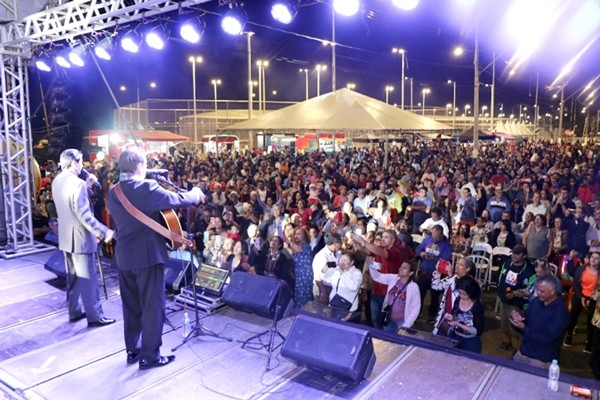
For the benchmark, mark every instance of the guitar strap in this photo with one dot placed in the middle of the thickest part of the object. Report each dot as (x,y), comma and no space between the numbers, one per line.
(149,222)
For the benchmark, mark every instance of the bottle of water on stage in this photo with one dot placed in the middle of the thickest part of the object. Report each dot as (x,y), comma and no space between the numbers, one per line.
(186,325)
(553,375)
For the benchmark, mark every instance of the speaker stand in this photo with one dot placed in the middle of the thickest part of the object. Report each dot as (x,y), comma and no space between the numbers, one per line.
(198,329)
(271,332)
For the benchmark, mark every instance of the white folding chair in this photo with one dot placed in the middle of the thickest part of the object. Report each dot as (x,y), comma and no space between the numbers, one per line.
(417,238)
(554,269)
(455,258)
(483,266)
(497,251)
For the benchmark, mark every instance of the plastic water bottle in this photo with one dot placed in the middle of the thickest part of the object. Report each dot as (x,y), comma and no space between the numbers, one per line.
(553,375)
(186,325)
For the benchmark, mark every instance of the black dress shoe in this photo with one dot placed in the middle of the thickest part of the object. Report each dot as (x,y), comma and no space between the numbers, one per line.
(101,322)
(159,362)
(133,356)
(78,318)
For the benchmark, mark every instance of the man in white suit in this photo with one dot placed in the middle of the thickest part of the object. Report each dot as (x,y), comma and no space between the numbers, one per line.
(78,238)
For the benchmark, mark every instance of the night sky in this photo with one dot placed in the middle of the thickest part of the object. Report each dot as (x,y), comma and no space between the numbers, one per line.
(428,34)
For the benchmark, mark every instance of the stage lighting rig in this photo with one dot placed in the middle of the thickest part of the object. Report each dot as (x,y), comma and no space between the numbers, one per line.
(104,48)
(234,20)
(157,37)
(284,11)
(43,63)
(192,30)
(77,54)
(131,42)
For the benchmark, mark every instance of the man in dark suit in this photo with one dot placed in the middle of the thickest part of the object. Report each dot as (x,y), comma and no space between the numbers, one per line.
(78,239)
(141,256)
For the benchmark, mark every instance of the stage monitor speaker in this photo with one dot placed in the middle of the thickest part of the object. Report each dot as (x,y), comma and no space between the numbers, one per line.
(326,345)
(56,264)
(178,271)
(259,295)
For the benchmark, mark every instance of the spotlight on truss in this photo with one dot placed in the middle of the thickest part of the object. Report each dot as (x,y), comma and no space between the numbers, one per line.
(233,21)
(284,11)
(192,30)
(104,49)
(131,42)
(156,38)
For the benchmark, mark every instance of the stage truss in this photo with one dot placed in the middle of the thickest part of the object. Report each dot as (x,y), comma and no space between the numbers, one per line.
(61,20)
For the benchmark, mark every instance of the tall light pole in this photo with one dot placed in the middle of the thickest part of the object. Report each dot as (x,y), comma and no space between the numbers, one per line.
(319,68)
(401,52)
(261,64)
(195,60)
(215,83)
(249,46)
(264,85)
(453,103)
(305,70)
(411,93)
(425,92)
(388,89)
(467,107)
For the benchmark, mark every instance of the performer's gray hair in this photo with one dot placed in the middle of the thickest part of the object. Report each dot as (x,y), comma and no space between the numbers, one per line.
(68,156)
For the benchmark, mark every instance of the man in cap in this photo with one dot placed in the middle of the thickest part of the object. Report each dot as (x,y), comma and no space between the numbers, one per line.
(516,278)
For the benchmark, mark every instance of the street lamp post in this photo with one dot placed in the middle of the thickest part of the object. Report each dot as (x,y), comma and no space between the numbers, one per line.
(261,64)
(453,103)
(215,83)
(305,70)
(411,92)
(249,46)
(467,107)
(425,91)
(401,52)
(388,89)
(319,68)
(195,60)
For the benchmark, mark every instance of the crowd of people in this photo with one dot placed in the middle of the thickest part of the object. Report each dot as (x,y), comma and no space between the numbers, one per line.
(339,228)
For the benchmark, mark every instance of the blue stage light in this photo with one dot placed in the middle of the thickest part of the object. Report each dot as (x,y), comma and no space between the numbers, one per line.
(284,11)
(233,21)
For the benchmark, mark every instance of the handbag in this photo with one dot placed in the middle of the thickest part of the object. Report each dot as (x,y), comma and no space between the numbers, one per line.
(386,314)
(338,301)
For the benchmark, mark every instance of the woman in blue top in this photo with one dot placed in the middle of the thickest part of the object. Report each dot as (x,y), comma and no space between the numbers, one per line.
(302,255)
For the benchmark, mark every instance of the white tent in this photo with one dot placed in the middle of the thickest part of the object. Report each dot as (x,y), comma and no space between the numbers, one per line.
(343,109)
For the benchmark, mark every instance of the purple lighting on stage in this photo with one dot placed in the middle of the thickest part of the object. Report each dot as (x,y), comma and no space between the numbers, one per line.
(284,11)
(156,38)
(234,21)
(131,42)
(191,30)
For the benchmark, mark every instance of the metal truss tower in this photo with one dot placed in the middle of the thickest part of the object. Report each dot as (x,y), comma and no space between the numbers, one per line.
(61,20)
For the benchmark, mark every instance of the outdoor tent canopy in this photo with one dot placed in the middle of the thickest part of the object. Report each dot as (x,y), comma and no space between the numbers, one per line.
(149,136)
(343,109)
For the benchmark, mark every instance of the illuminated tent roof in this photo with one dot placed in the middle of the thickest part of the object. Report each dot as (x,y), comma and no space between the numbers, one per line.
(343,109)
(149,136)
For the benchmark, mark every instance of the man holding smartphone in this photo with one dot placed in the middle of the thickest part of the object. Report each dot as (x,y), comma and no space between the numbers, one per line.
(391,254)
(328,255)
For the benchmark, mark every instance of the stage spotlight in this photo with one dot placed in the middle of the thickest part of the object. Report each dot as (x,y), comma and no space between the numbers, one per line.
(156,38)
(131,42)
(233,21)
(406,5)
(192,30)
(104,49)
(346,7)
(284,11)
(62,61)
(43,63)
(76,55)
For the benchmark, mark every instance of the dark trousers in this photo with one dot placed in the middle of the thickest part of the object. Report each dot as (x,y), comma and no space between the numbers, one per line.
(143,296)
(576,309)
(424,283)
(376,307)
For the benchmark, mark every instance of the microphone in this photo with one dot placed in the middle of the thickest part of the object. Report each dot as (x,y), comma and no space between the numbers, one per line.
(84,175)
(153,173)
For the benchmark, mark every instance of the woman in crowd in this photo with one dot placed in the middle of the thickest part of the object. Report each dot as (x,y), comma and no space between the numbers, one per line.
(278,265)
(237,261)
(466,319)
(585,282)
(302,255)
(537,239)
(345,280)
(464,266)
(403,300)
(461,240)
(503,235)
(558,238)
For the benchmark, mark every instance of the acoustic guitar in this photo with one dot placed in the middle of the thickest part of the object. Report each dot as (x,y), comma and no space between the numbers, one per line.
(170,221)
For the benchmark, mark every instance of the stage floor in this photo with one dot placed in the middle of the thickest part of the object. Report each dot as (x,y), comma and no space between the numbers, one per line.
(42,356)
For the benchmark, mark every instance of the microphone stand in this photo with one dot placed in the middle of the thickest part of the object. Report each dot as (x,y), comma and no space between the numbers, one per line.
(198,328)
